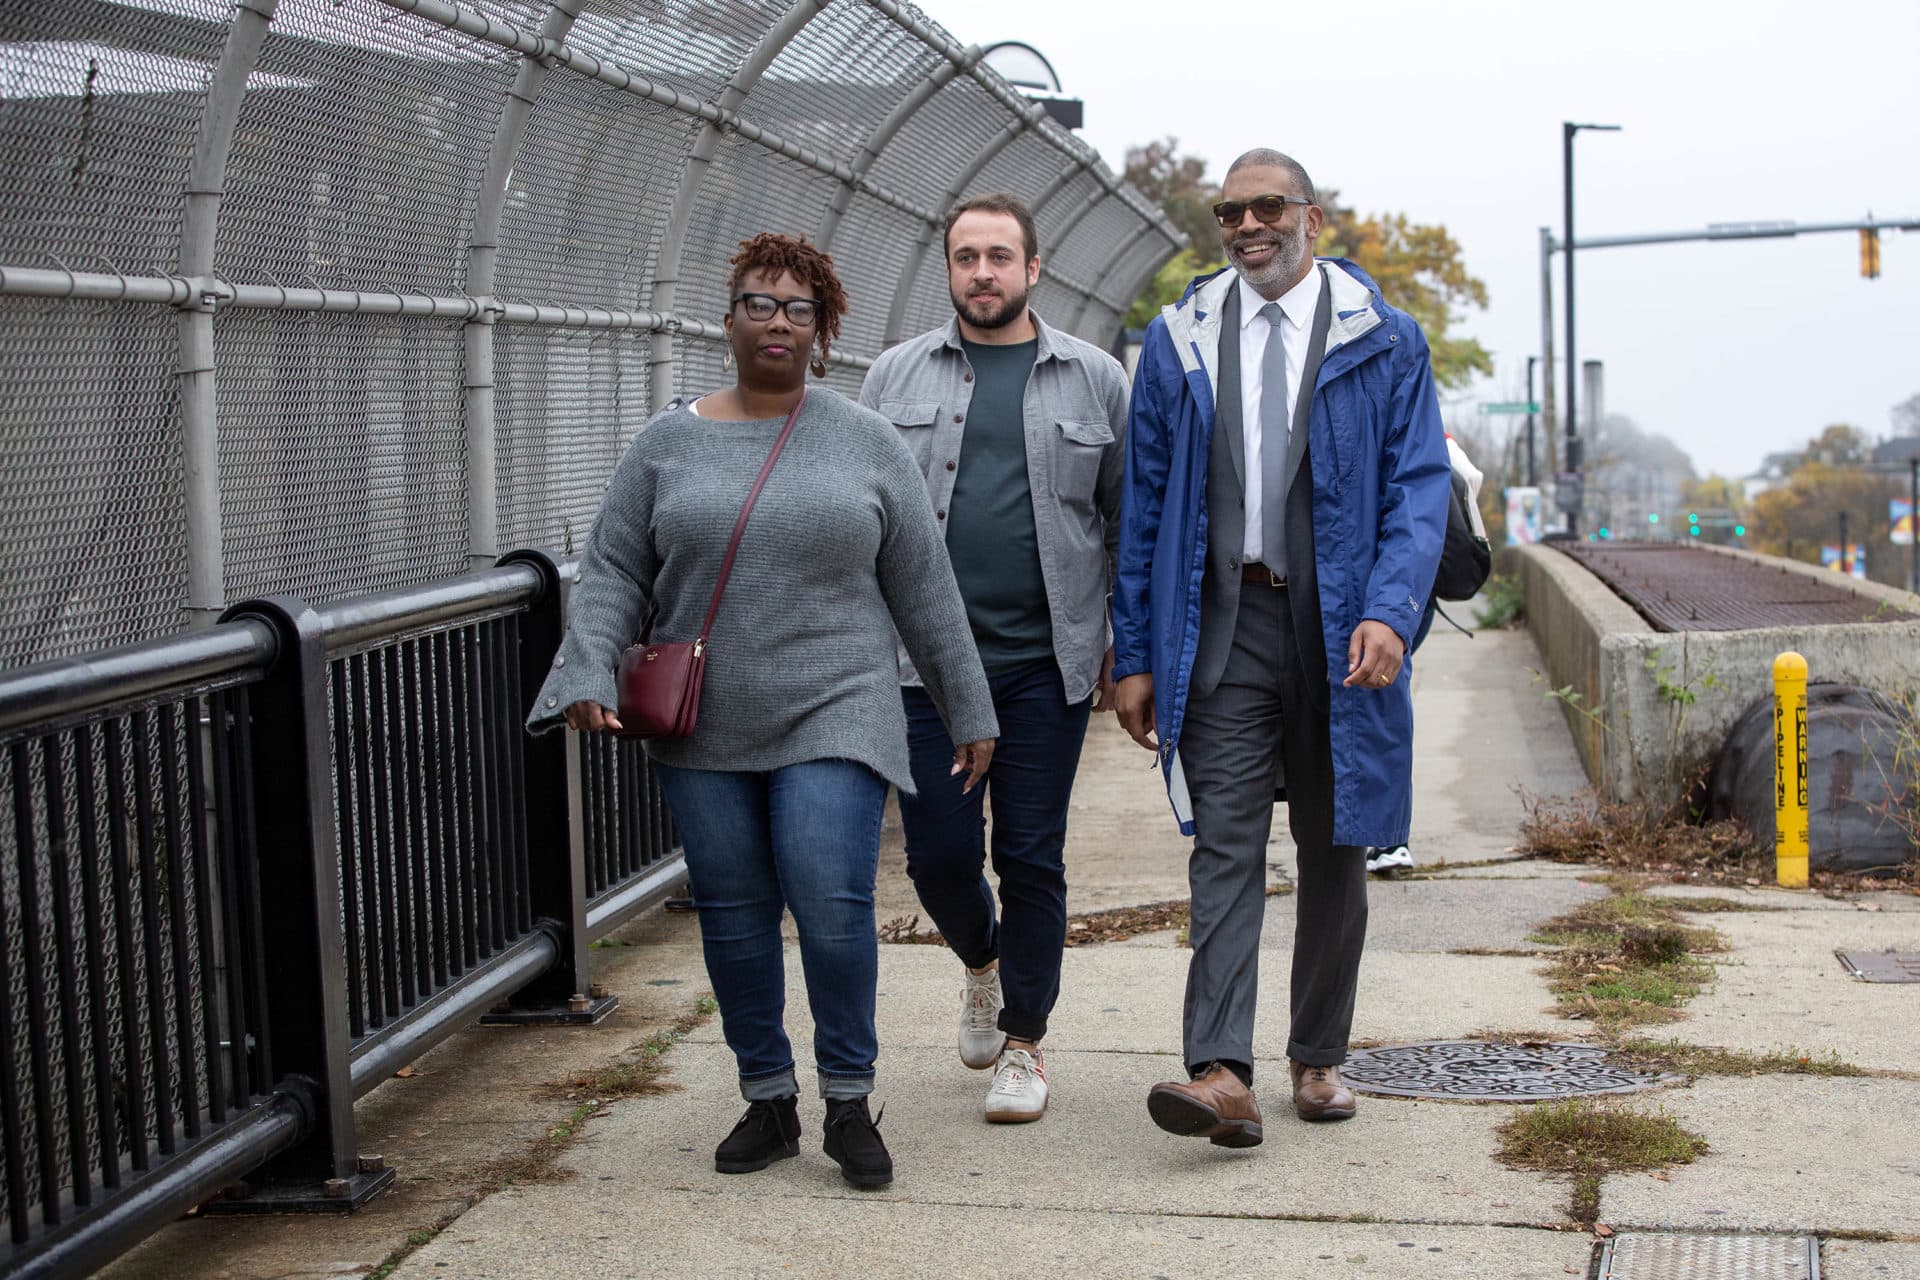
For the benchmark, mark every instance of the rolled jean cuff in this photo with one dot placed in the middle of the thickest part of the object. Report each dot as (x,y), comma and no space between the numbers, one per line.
(780,1084)
(990,956)
(845,1088)
(1023,1026)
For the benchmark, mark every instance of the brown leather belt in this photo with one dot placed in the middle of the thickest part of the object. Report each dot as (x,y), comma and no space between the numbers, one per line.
(1252,571)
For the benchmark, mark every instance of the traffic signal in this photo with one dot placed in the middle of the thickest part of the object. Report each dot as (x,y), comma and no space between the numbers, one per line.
(1739,531)
(1653,517)
(1870,252)
(1695,531)
(1605,533)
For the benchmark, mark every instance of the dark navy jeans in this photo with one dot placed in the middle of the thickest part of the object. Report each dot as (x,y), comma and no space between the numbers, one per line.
(805,838)
(1028,785)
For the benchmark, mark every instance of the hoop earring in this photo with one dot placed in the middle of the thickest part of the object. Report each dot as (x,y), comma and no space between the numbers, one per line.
(726,361)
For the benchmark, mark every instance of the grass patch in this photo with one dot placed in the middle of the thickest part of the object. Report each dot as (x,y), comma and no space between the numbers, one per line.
(1625,960)
(1587,1139)
(1701,1060)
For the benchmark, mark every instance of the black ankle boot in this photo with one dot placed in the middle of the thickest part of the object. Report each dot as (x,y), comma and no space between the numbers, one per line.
(853,1141)
(769,1131)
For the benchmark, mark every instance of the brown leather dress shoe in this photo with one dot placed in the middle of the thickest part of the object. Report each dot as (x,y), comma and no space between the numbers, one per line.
(1216,1107)
(1320,1094)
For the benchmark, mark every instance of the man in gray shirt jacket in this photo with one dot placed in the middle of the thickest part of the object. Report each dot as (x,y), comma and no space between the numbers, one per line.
(1019,429)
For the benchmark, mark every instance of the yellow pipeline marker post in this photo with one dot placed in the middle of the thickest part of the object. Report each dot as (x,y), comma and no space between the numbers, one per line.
(1790,770)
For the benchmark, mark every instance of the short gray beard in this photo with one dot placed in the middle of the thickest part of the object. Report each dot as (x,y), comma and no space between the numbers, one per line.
(1288,261)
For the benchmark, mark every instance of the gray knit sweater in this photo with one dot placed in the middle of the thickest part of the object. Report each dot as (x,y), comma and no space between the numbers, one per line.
(842,549)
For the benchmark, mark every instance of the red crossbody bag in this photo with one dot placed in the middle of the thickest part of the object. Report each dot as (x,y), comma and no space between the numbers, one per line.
(660,683)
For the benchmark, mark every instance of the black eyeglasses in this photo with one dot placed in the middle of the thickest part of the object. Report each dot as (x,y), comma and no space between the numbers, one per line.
(1266,208)
(761,306)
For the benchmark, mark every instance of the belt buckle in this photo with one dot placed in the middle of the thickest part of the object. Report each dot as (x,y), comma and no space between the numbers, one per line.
(1274,579)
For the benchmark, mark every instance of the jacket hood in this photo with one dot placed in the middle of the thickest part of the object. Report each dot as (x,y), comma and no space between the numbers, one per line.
(1193,322)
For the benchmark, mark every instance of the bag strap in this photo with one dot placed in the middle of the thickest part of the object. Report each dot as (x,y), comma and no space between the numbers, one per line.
(740,525)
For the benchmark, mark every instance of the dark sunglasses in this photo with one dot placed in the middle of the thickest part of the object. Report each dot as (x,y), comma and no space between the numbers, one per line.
(761,306)
(1266,208)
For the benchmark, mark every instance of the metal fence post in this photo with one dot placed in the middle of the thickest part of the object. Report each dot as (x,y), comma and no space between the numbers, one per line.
(199,223)
(308,1049)
(557,858)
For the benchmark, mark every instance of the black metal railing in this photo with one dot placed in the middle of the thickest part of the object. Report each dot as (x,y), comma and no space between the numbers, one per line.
(247,872)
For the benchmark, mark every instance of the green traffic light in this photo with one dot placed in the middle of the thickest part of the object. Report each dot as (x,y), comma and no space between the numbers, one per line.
(1739,531)
(1693,517)
(1653,517)
(1695,531)
(1604,532)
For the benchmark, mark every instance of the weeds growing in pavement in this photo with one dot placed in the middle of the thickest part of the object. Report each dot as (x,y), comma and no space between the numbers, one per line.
(1587,1139)
(639,1075)
(1626,960)
(1636,835)
(1703,1060)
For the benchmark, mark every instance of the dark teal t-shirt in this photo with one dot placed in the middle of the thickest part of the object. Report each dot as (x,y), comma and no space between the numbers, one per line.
(990,533)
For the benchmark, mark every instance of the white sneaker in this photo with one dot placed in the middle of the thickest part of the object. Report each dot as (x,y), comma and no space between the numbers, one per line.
(981,1038)
(1385,862)
(1019,1091)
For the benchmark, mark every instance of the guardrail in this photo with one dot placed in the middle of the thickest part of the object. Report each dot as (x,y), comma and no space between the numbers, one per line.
(248,872)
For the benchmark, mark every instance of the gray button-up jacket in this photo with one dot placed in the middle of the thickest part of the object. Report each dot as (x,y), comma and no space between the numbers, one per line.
(1076,411)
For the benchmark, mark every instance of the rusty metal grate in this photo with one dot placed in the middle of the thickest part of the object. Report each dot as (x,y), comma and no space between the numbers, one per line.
(1881,966)
(1689,589)
(1479,1071)
(1649,1256)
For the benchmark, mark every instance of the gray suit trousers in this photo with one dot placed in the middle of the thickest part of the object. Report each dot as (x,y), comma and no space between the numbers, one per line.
(1257,719)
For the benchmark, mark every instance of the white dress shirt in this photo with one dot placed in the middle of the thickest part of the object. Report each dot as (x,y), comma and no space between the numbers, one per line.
(1297,306)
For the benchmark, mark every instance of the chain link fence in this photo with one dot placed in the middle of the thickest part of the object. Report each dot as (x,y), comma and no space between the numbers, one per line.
(332,296)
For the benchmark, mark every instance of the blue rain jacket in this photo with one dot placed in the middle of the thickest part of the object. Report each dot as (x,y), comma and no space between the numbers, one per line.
(1381,481)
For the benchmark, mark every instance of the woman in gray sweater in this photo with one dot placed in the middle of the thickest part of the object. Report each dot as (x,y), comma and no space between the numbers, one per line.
(778,792)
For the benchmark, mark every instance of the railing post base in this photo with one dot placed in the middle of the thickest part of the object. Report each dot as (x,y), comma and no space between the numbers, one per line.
(330,1195)
(575,1011)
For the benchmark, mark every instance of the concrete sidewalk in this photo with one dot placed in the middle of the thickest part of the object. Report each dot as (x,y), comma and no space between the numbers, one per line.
(1406,1189)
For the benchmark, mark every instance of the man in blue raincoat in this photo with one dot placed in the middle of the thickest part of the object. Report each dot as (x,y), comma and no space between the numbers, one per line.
(1285,501)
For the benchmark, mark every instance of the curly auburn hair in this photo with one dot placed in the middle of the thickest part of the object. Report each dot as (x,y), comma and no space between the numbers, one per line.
(774,253)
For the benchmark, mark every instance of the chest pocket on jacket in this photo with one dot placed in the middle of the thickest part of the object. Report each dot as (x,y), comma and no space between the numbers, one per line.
(1076,460)
(914,420)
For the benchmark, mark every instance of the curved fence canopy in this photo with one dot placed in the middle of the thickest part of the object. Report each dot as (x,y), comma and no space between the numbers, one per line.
(331,296)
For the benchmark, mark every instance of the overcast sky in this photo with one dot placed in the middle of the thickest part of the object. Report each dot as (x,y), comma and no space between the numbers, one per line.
(1753,111)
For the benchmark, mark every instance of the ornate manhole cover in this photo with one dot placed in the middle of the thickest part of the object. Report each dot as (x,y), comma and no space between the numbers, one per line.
(1482,1071)
(1882,966)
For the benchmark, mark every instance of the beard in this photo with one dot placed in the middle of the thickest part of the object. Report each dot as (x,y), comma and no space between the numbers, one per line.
(1289,258)
(995,313)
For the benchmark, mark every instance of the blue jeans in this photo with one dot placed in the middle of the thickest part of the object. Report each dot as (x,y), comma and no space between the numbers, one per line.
(1029,784)
(806,838)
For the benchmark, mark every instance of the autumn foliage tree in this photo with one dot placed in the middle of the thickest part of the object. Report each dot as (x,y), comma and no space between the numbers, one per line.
(1798,517)
(1417,266)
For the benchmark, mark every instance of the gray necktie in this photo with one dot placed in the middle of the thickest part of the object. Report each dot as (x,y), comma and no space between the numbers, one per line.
(1273,445)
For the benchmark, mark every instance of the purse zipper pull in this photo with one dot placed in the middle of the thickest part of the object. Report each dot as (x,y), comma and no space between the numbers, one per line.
(699,647)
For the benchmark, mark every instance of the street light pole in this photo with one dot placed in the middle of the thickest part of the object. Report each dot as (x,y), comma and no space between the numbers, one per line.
(1532,477)
(1567,129)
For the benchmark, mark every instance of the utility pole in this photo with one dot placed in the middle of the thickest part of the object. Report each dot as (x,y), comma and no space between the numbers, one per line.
(1532,476)
(1567,131)
(1549,419)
